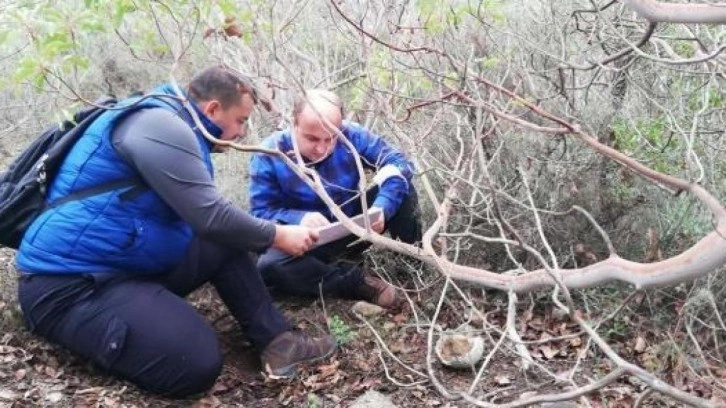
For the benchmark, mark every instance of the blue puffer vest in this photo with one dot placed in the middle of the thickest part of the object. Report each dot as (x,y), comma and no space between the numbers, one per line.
(106,233)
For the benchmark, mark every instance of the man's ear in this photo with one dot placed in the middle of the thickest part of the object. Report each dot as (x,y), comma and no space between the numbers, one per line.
(210,107)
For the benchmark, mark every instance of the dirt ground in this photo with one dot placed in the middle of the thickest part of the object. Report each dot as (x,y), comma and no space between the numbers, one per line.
(34,373)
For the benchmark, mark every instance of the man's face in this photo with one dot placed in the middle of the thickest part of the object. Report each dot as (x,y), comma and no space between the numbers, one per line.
(314,138)
(232,119)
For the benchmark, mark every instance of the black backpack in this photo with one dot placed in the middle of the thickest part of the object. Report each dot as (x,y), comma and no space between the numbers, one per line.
(23,186)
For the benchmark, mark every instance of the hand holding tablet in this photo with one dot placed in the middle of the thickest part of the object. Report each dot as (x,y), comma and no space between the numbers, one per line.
(337,230)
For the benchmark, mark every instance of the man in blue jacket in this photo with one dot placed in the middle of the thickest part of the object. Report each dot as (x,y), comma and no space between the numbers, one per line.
(105,275)
(278,194)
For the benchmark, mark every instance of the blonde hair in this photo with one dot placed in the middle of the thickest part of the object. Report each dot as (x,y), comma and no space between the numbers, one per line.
(314,98)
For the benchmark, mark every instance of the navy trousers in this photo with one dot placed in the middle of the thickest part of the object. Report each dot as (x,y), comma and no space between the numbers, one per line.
(141,329)
(327,267)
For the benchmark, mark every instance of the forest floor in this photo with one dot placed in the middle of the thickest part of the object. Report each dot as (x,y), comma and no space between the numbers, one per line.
(34,373)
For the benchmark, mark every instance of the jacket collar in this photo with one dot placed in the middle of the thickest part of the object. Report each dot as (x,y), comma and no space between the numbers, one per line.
(211,127)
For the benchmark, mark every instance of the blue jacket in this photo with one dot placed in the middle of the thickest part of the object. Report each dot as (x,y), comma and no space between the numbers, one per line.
(278,194)
(105,233)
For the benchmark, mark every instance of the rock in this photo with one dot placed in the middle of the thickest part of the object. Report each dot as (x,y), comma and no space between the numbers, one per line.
(559,314)
(54,397)
(367,309)
(373,399)
(7,395)
(459,350)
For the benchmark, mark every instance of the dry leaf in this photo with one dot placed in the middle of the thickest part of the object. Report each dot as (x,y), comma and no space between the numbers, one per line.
(327,370)
(548,352)
(362,365)
(400,318)
(639,345)
(219,388)
(6,349)
(369,383)
(502,380)
(207,402)
(110,402)
(51,372)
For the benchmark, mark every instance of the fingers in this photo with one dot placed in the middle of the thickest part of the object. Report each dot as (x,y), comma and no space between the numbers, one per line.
(314,235)
(305,241)
(295,240)
(320,220)
(314,220)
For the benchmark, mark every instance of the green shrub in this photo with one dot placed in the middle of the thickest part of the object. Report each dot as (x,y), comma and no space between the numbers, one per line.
(340,330)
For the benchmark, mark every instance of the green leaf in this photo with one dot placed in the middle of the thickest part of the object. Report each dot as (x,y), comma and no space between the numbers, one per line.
(228,7)
(92,21)
(489,63)
(55,44)
(39,80)
(121,9)
(27,68)
(4,36)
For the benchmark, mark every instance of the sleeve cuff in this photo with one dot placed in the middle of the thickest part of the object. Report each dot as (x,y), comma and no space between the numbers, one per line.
(291,217)
(388,206)
(385,173)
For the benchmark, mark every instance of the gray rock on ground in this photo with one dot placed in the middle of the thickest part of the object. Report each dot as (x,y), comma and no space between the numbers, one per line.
(373,399)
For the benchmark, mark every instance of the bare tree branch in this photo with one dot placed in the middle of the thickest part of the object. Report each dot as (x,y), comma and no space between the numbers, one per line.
(660,12)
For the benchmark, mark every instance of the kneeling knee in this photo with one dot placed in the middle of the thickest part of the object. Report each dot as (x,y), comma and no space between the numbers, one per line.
(203,373)
(196,372)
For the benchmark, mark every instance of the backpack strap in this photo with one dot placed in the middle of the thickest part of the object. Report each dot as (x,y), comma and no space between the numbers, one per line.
(137,184)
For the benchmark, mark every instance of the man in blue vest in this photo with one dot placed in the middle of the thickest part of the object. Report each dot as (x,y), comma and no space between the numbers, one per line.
(278,194)
(105,276)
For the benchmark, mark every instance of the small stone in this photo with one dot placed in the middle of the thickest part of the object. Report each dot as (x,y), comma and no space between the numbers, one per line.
(54,397)
(639,345)
(559,314)
(367,309)
(459,351)
(7,395)
(373,399)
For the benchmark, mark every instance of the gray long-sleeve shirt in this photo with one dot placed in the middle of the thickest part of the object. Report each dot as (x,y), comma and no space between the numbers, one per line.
(167,155)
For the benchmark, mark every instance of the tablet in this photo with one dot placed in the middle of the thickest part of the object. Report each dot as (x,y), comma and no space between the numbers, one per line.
(337,230)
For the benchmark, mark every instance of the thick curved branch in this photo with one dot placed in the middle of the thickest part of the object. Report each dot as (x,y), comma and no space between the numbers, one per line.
(659,12)
(704,257)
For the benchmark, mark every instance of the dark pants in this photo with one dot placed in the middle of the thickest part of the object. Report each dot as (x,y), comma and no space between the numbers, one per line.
(322,270)
(141,329)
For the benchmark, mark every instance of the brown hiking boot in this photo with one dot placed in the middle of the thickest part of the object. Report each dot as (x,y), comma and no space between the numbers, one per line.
(379,292)
(291,348)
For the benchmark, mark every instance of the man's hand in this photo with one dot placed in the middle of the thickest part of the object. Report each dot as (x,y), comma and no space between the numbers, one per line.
(314,220)
(379,225)
(294,239)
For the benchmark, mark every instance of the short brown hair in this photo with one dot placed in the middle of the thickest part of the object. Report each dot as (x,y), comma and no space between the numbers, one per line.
(223,84)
